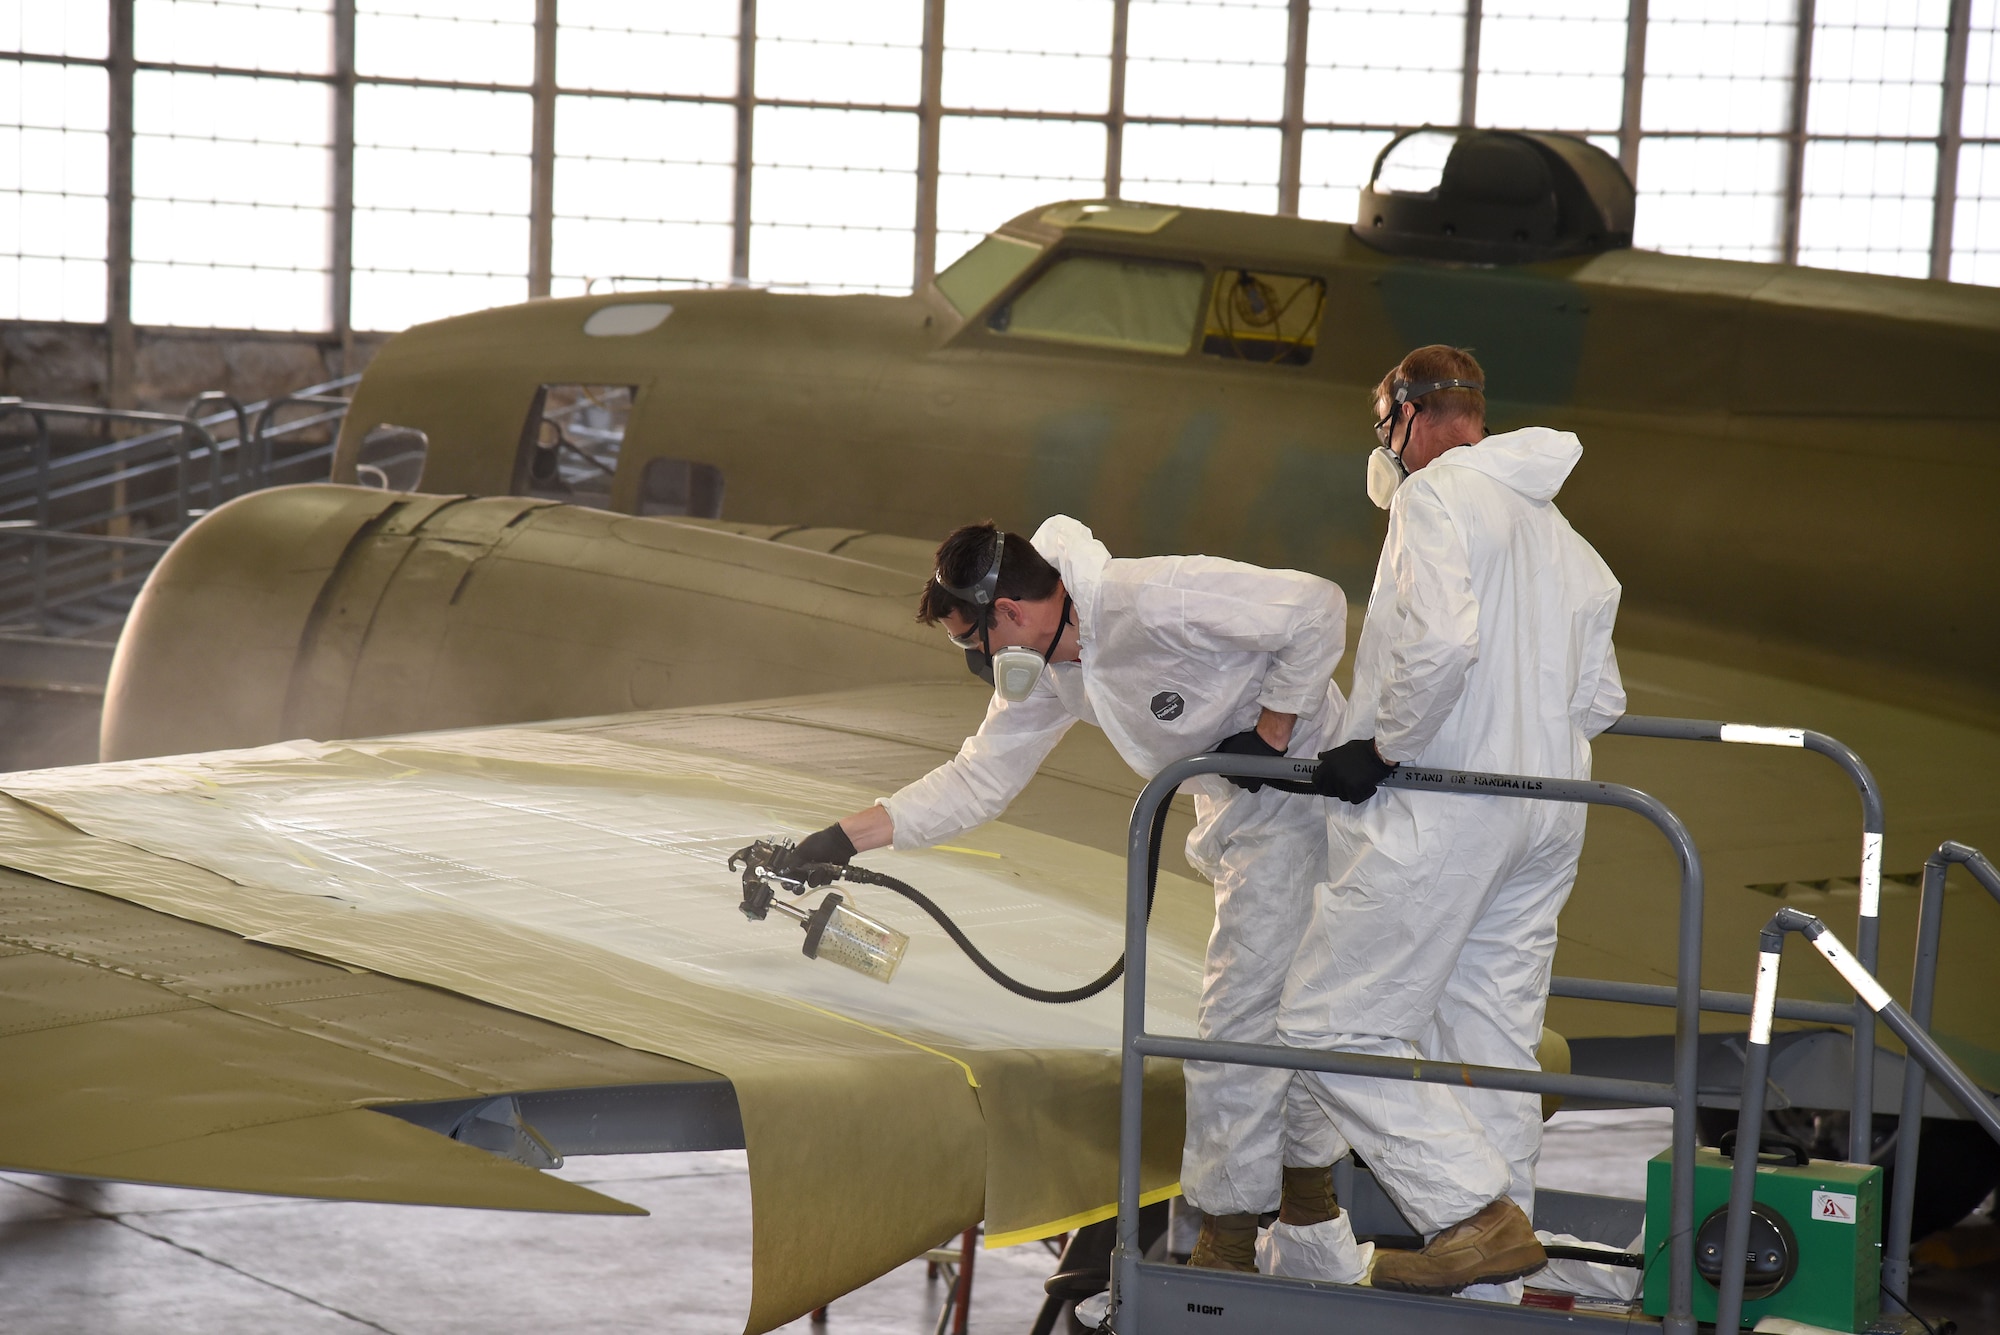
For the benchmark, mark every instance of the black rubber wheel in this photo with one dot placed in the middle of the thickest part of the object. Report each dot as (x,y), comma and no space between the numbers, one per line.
(1089,1249)
(1958,1164)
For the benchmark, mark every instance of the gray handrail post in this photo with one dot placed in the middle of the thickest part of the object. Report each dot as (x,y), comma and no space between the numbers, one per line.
(1137,1044)
(1868,921)
(38,549)
(215,493)
(1923,989)
(311,396)
(230,402)
(39,553)
(1923,1054)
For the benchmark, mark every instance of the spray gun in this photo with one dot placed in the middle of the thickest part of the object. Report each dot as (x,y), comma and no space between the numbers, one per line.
(833,930)
(838,933)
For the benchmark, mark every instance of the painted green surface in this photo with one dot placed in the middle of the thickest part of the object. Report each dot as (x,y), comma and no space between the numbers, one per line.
(1787,467)
(150,1048)
(1527,329)
(1838,1285)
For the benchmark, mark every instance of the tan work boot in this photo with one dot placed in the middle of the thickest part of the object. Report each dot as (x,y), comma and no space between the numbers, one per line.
(1308,1197)
(1227,1242)
(1492,1247)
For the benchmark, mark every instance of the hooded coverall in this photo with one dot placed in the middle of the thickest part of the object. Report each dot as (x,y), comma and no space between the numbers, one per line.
(1178,653)
(1487,646)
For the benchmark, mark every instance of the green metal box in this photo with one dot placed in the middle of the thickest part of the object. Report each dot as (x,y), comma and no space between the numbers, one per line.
(1834,1212)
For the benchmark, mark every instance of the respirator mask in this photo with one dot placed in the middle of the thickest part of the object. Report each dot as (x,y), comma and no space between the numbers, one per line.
(1012,671)
(1386,469)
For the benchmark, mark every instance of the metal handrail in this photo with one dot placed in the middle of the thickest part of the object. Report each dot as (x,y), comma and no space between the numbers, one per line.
(1712,1002)
(236,410)
(1923,1052)
(34,495)
(1137,1044)
(312,395)
(17,528)
(1923,987)
(1868,923)
(177,430)
(261,414)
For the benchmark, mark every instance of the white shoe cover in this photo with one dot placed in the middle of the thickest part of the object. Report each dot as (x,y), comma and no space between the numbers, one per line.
(1325,1251)
(1509,1292)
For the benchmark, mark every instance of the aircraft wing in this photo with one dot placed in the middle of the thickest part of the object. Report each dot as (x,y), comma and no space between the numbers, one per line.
(147,1048)
(566,883)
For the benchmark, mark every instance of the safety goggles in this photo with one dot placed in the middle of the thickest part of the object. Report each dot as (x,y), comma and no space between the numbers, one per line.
(972,639)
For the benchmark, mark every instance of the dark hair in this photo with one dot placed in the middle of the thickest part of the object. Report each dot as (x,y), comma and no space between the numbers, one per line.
(964,556)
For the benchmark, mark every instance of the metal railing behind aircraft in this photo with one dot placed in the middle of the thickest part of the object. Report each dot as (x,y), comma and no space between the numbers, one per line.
(81,528)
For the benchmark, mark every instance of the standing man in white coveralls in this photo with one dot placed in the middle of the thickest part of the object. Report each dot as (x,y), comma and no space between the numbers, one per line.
(1172,656)
(1487,646)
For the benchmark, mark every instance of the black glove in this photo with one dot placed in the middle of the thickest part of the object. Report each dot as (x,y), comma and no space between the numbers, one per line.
(1351,771)
(1247,743)
(821,846)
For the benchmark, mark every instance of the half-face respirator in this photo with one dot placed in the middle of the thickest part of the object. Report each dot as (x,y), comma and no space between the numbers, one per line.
(1014,670)
(1386,469)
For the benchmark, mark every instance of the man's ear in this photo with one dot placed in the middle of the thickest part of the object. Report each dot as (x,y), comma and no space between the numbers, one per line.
(1008,607)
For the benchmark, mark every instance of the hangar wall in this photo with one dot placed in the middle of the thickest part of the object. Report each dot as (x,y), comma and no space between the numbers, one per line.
(354,164)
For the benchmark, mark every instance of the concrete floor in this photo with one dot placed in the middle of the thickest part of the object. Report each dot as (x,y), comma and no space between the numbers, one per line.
(96,1257)
(100,1257)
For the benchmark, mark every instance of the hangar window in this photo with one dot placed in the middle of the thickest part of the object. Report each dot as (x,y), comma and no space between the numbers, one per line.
(392,458)
(1108,302)
(681,487)
(1264,317)
(569,447)
(977,276)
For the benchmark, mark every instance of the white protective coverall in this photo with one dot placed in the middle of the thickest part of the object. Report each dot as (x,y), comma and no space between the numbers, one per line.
(1487,646)
(1180,652)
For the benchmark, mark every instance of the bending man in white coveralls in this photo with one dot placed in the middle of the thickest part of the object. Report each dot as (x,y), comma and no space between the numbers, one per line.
(1172,656)
(1487,646)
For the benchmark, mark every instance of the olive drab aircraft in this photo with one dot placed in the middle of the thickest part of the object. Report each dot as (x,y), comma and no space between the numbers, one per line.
(616,584)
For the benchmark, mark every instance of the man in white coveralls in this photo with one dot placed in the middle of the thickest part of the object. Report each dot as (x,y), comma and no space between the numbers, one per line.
(1172,656)
(1487,646)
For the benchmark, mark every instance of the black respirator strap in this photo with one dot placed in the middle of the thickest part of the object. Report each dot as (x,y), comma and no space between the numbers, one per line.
(1406,391)
(981,591)
(1062,625)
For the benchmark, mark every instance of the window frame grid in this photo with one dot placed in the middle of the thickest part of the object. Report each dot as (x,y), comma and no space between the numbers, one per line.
(930,110)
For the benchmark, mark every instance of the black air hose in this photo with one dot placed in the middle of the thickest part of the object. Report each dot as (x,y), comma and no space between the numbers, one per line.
(863,876)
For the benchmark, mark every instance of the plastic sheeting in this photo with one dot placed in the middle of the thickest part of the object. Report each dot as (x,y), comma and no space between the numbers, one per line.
(580,879)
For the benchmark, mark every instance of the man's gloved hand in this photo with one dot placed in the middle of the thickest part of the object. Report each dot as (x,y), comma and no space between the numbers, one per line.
(822,846)
(1351,771)
(1249,742)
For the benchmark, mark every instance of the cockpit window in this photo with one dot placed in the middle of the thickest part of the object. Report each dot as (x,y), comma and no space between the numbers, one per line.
(569,447)
(975,277)
(1143,305)
(1264,317)
(1414,165)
